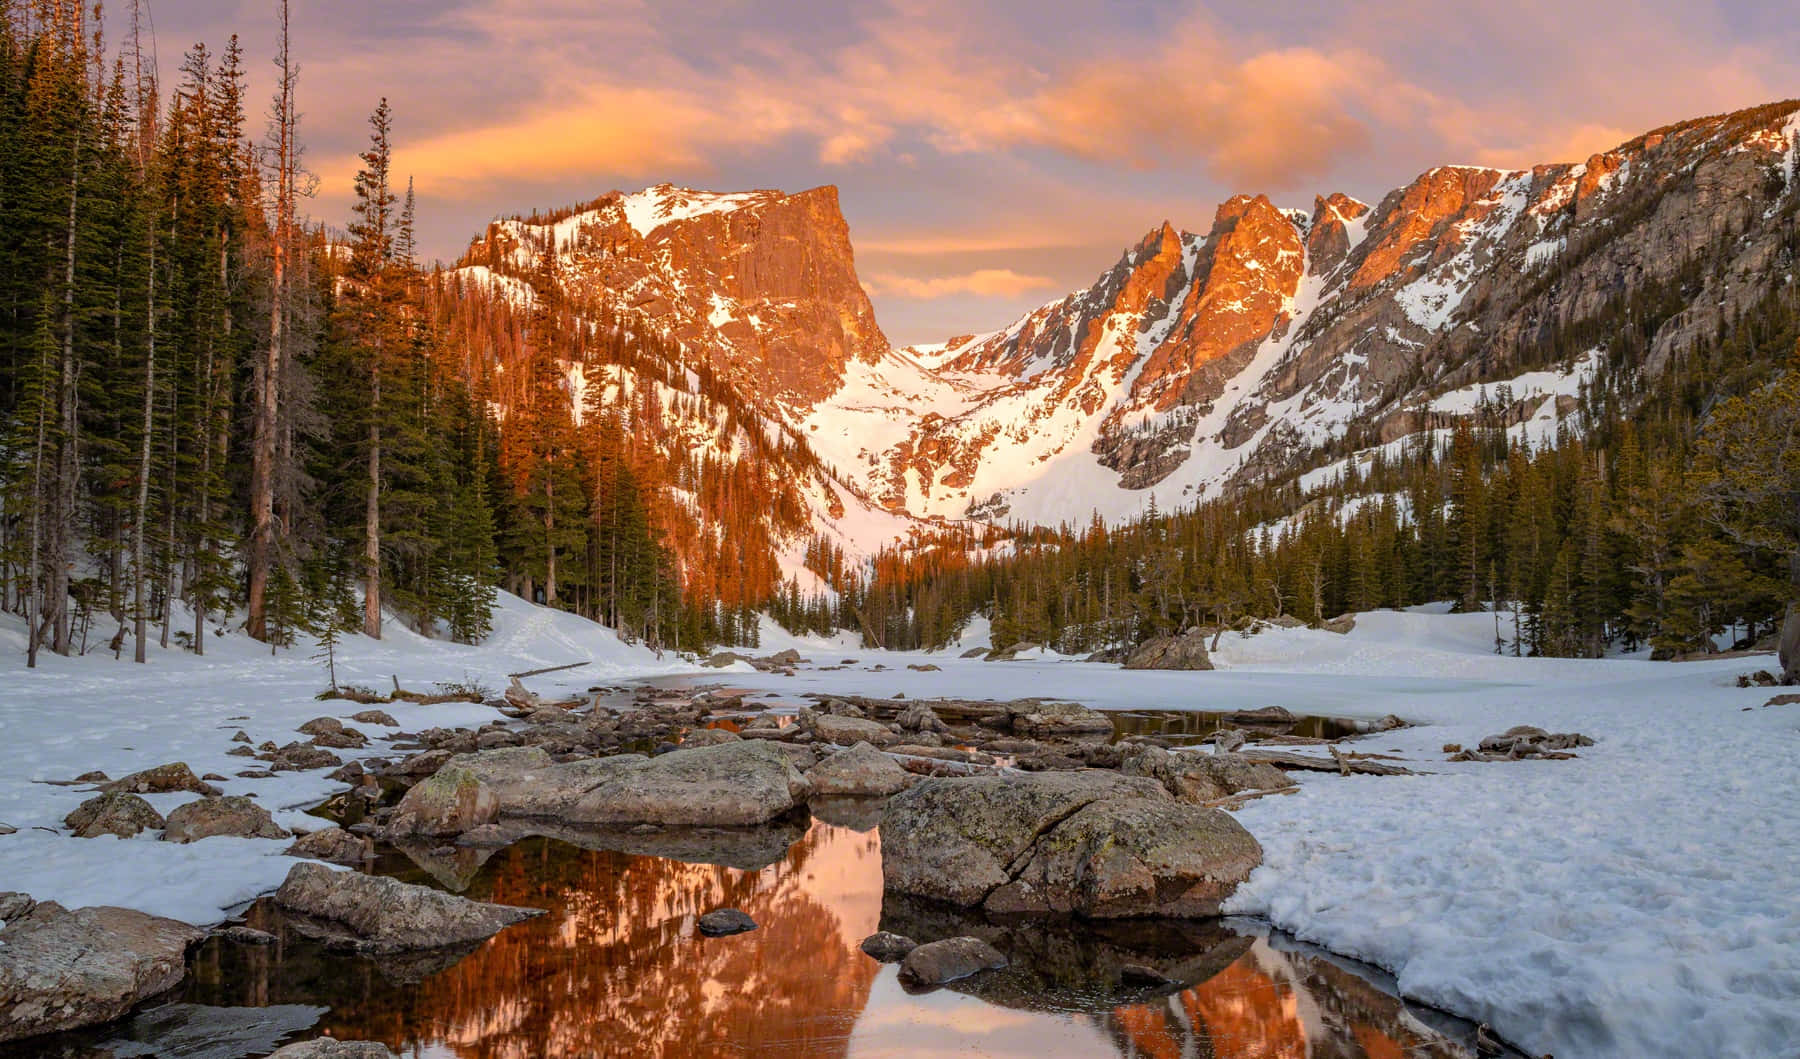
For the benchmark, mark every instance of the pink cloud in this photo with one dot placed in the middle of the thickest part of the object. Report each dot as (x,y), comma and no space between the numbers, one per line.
(984,282)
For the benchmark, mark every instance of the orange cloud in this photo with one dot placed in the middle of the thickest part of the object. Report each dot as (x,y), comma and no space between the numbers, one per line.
(984,282)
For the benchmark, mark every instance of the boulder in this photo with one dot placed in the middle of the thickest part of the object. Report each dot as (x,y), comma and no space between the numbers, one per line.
(528,782)
(341,739)
(236,816)
(1789,649)
(424,763)
(920,718)
(1124,858)
(724,921)
(452,800)
(859,770)
(242,935)
(1198,778)
(320,726)
(1086,843)
(1343,624)
(800,756)
(328,1048)
(739,784)
(722,659)
(888,947)
(709,737)
(118,814)
(175,776)
(844,731)
(14,904)
(957,839)
(1186,651)
(1273,716)
(374,914)
(60,970)
(1035,717)
(334,845)
(840,708)
(1011,652)
(302,757)
(381,717)
(948,960)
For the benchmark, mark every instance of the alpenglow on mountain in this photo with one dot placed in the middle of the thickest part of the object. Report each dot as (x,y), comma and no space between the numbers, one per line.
(1274,341)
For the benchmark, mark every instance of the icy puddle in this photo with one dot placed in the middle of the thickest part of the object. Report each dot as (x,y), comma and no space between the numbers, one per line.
(618,968)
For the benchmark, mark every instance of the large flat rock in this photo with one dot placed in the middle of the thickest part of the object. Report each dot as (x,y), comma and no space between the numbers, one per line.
(1086,843)
(60,970)
(740,784)
(373,914)
(958,840)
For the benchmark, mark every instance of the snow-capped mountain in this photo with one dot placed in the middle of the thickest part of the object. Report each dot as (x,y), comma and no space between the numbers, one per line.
(1278,340)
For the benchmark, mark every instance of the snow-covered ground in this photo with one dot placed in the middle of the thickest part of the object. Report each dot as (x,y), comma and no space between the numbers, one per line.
(1638,901)
(72,715)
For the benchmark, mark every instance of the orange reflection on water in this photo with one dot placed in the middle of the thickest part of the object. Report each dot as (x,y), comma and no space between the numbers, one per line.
(618,968)
(1274,1005)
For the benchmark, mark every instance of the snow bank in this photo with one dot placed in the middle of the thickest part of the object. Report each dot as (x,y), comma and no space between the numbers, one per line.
(72,715)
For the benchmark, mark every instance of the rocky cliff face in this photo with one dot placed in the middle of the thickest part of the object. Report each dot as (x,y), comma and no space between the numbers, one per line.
(764,283)
(1198,361)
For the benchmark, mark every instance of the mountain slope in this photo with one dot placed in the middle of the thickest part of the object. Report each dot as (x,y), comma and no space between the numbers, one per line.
(1200,361)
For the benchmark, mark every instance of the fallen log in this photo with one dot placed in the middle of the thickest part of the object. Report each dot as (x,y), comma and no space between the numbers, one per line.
(515,677)
(932,766)
(1242,798)
(1339,764)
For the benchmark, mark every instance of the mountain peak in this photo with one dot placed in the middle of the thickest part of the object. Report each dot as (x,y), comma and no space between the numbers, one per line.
(653,207)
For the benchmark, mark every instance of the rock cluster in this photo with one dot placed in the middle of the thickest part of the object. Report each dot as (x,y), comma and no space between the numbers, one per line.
(1525,741)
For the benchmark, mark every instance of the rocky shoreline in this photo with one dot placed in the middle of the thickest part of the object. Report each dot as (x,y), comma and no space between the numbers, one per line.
(1018,807)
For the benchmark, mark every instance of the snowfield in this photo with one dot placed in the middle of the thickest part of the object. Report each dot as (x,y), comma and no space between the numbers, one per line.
(72,715)
(1641,900)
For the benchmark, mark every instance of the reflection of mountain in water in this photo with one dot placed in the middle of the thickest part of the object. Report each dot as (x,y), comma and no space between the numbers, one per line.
(1276,1005)
(617,968)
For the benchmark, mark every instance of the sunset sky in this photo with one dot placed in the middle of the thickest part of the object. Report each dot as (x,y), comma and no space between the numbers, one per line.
(991,155)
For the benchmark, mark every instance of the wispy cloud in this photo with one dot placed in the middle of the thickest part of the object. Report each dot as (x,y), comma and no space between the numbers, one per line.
(984,282)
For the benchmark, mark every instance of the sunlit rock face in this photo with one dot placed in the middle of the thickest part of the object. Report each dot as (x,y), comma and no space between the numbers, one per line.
(763,285)
(1201,360)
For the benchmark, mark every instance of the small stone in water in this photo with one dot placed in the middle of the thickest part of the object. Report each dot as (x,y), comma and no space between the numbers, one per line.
(888,947)
(723,921)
